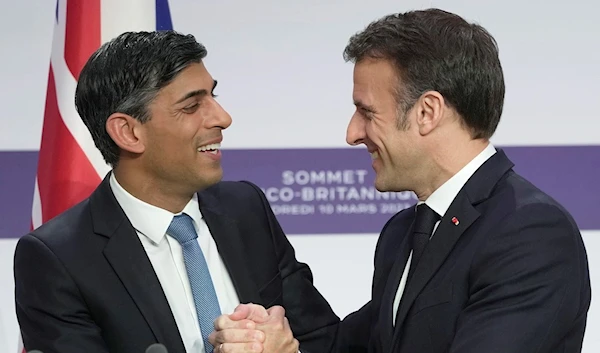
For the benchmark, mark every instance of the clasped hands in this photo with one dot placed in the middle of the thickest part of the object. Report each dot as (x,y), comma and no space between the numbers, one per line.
(252,328)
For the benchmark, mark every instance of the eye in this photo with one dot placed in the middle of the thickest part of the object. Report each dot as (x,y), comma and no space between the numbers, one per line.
(191,108)
(367,114)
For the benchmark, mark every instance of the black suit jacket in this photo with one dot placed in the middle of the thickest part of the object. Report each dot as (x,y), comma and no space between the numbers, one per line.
(84,283)
(511,277)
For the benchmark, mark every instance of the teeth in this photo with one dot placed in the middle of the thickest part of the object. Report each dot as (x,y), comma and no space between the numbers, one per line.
(374,155)
(212,148)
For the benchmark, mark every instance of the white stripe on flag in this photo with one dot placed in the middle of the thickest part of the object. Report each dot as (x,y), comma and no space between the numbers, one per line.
(65,94)
(36,209)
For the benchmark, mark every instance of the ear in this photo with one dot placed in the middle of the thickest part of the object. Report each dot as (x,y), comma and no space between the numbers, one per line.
(431,108)
(126,131)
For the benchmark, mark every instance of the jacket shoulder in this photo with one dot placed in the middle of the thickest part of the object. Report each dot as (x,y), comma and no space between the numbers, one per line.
(65,227)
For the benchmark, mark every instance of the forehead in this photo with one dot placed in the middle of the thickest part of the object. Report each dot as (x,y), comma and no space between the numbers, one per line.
(193,78)
(374,79)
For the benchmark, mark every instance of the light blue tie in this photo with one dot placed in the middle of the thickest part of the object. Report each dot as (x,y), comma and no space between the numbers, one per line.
(205,297)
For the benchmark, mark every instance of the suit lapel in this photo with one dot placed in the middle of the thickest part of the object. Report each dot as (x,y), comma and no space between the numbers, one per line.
(228,238)
(442,243)
(128,259)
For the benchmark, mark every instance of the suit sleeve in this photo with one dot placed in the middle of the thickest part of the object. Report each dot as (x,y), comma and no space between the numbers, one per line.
(356,333)
(310,316)
(526,291)
(52,315)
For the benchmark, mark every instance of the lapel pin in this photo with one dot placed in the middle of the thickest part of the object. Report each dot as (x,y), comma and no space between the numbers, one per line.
(455,221)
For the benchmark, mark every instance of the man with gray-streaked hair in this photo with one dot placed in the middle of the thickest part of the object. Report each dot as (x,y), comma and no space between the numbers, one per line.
(485,262)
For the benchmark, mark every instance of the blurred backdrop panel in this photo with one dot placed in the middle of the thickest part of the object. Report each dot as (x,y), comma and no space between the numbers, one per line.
(283,79)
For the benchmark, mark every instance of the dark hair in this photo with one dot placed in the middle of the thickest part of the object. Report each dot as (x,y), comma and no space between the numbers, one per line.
(125,75)
(437,50)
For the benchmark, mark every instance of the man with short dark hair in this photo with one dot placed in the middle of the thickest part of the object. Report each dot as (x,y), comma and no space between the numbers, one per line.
(162,247)
(485,262)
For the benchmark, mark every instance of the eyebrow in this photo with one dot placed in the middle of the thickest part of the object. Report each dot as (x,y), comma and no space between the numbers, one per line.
(197,93)
(364,106)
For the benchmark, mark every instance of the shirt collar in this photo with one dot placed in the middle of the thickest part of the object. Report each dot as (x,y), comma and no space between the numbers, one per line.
(441,199)
(147,219)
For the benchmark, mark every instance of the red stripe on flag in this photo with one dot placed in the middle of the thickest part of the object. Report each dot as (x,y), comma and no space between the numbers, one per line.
(82,36)
(65,175)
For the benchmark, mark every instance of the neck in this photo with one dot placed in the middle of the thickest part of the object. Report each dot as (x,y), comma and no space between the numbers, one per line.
(445,160)
(151,190)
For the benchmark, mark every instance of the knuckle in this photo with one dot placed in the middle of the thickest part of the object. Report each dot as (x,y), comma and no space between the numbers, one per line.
(254,347)
(279,310)
(219,337)
(248,335)
(220,322)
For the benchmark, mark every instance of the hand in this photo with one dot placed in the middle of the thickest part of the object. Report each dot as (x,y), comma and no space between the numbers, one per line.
(253,312)
(279,336)
(237,332)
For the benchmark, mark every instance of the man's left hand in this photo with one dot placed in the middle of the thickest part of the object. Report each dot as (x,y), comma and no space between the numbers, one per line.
(248,329)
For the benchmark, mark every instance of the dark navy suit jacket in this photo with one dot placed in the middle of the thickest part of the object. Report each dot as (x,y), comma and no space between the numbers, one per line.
(84,282)
(511,277)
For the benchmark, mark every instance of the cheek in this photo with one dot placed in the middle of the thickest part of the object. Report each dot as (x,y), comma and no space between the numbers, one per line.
(381,136)
(393,146)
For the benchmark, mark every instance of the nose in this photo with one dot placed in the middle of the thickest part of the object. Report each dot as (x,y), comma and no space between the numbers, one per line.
(221,119)
(355,133)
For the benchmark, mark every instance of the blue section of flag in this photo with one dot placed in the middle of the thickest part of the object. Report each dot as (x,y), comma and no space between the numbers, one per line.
(56,11)
(163,15)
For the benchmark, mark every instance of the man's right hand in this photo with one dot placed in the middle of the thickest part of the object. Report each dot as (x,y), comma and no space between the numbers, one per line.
(251,328)
(237,331)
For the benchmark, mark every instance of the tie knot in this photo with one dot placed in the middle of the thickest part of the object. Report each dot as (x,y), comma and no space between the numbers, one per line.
(182,228)
(425,220)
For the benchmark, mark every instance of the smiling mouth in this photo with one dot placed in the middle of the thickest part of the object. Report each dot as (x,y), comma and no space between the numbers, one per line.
(212,148)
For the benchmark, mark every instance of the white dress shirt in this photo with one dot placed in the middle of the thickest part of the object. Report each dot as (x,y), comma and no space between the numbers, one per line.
(165,254)
(440,201)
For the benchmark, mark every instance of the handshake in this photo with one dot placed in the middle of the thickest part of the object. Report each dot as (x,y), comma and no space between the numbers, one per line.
(251,328)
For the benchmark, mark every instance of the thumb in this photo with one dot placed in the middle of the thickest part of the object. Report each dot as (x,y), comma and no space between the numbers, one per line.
(241,312)
(250,311)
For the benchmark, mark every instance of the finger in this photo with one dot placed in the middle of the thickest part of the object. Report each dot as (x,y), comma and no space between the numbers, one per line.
(254,347)
(223,322)
(241,312)
(236,336)
(212,338)
(277,321)
(276,311)
(250,311)
(286,324)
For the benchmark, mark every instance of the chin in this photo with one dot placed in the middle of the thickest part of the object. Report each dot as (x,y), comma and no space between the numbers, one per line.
(380,185)
(206,180)
(214,177)
(387,185)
